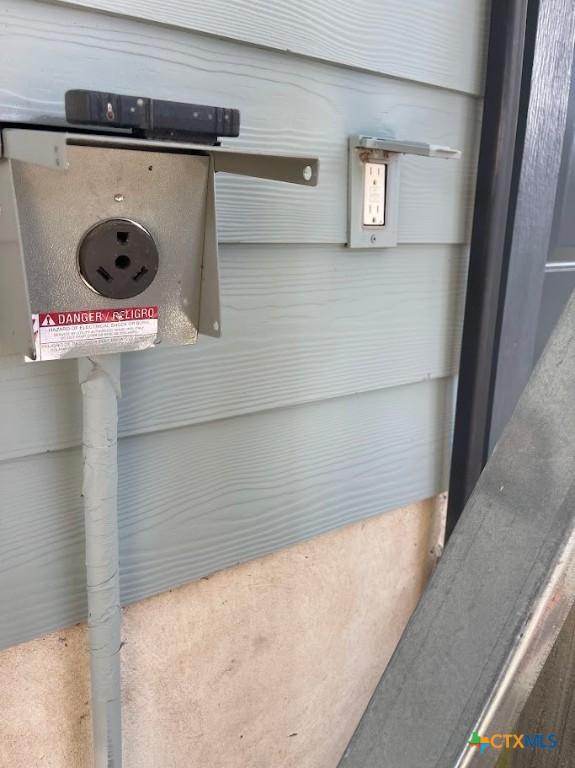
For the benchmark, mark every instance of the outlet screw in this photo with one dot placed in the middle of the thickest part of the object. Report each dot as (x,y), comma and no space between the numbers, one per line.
(119,198)
(373,239)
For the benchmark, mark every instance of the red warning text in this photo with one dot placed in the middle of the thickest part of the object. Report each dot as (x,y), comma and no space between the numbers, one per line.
(89,316)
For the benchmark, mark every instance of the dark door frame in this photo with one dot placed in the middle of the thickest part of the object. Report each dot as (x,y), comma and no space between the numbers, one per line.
(526,100)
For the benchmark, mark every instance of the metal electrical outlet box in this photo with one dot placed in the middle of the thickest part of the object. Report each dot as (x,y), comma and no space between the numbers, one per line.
(374,184)
(109,243)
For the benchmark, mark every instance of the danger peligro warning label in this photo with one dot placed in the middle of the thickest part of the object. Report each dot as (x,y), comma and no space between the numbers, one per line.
(80,332)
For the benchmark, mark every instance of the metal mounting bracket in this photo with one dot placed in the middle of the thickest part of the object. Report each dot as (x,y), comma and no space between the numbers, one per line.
(386,152)
(49,148)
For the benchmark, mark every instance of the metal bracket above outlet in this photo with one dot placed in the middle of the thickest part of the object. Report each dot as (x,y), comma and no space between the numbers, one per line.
(374,180)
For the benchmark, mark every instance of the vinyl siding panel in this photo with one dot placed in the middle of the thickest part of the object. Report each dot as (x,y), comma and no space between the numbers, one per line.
(440,42)
(201,498)
(299,324)
(287,105)
(330,396)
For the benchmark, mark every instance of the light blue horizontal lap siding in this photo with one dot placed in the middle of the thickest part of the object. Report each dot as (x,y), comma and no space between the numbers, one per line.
(439,42)
(300,324)
(201,498)
(288,105)
(329,397)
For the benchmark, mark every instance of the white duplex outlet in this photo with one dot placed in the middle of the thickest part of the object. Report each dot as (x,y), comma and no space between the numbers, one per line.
(374,194)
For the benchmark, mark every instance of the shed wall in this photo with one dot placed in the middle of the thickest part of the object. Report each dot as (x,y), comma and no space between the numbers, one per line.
(329,398)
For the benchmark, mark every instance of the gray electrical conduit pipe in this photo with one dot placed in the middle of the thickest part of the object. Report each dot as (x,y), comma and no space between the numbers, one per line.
(100,382)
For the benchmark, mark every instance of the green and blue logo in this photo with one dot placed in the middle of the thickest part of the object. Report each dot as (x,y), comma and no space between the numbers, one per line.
(513,741)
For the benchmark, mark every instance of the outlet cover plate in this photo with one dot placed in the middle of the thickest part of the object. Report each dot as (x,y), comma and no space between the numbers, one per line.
(360,234)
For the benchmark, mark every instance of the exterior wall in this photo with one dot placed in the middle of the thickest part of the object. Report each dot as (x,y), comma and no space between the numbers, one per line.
(329,399)
(267,664)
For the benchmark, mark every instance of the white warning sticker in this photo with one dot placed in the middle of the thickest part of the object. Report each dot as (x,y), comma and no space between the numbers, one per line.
(93,331)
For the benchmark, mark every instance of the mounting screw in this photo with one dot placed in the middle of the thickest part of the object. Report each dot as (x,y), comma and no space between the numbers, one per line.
(307,173)
(373,239)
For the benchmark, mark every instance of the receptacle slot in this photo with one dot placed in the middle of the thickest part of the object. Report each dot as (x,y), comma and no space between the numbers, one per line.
(140,273)
(106,275)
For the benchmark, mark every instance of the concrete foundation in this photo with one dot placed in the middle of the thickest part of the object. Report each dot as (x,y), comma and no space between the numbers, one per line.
(269,664)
